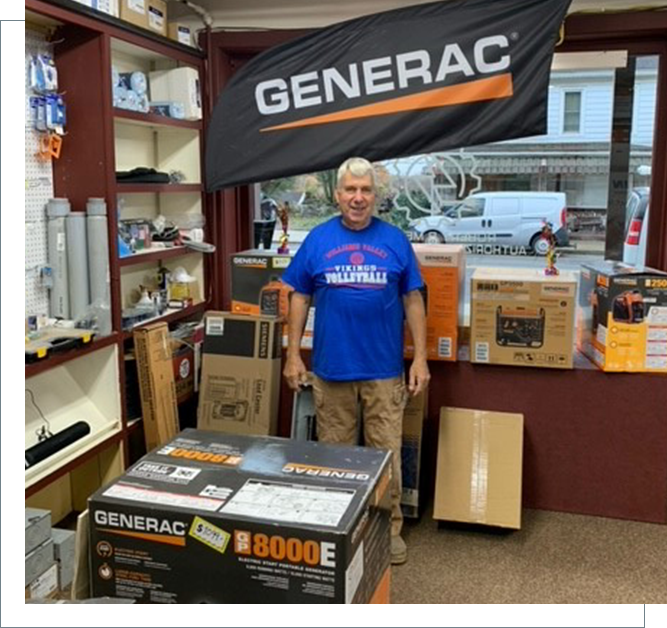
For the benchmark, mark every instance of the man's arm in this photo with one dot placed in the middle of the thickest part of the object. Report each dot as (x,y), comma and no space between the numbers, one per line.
(295,369)
(416,316)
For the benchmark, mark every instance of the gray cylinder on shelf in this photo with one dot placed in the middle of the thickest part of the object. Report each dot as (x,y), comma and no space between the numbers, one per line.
(77,264)
(98,261)
(56,211)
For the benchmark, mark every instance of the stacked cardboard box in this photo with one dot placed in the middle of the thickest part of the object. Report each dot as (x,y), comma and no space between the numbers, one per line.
(41,571)
(240,383)
(218,518)
(411,453)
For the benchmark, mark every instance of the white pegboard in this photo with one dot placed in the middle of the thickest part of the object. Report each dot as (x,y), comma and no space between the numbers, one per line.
(38,190)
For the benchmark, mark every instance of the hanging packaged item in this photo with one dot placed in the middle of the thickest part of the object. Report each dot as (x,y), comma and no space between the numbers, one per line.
(43,74)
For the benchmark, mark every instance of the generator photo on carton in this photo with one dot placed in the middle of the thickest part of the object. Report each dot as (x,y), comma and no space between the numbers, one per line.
(256,283)
(442,268)
(241,369)
(622,317)
(521,317)
(214,518)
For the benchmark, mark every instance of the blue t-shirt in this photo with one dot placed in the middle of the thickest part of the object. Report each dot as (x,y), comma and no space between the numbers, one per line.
(358,279)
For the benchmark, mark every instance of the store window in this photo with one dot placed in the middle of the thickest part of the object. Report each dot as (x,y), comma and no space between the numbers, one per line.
(564,176)
(572,112)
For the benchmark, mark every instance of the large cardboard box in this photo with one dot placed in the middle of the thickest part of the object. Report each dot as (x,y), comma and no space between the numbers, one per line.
(219,518)
(157,16)
(135,12)
(256,283)
(241,370)
(522,317)
(178,85)
(443,271)
(622,317)
(159,409)
(411,452)
(478,476)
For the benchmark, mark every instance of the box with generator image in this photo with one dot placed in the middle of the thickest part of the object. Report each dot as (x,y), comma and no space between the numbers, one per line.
(443,270)
(256,283)
(522,317)
(240,382)
(622,317)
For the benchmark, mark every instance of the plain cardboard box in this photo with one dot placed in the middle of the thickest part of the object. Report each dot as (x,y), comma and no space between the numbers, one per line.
(157,16)
(37,527)
(622,317)
(479,467)
(238,519)
(241,370)
(178,85)
(443,270)
(44,586)
(159,408)
(135,12)
(179,32)
(522,317)
(411,451)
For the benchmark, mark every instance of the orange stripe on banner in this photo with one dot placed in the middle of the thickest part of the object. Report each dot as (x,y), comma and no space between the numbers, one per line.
(492,88)
(156,538)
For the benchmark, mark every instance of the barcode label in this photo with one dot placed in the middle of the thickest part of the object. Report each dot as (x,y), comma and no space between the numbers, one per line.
(481,352)
(215,326)
(444,347)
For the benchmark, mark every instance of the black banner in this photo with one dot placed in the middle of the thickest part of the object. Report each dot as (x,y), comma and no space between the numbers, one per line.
(425,78)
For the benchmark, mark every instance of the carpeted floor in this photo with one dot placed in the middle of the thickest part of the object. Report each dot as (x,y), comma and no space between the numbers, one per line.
(555,558)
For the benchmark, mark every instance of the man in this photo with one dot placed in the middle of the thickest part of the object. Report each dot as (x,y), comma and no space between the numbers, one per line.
(364,276)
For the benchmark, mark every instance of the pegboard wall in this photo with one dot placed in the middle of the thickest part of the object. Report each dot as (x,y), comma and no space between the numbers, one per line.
(38,190)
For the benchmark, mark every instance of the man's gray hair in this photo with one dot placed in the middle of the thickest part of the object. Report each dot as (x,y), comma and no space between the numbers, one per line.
(357,167)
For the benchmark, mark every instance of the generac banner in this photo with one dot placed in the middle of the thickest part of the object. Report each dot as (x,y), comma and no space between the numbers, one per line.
(424,78)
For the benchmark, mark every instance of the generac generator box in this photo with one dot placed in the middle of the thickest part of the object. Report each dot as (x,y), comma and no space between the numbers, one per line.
(214,518)
(159,408)
(478,475)
(256,285)
(443,271)
(622,317)
(240,382)
(522,317)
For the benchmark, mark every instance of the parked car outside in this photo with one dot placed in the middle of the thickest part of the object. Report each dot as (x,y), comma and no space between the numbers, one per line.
(636,227)
(506,219)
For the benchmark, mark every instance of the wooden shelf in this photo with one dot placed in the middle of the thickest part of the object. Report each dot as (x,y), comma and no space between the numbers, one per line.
(152,120)
(155,255)
(60,358)
(76,458)
(157,188)
(169,317)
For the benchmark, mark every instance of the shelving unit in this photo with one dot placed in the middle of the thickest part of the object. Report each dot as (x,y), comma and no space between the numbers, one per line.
(89,383)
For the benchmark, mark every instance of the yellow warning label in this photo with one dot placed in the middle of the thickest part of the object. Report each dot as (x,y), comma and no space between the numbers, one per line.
(205,532)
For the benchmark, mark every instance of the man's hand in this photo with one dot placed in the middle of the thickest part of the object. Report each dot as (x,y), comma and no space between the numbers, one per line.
(419,377)
(294,372)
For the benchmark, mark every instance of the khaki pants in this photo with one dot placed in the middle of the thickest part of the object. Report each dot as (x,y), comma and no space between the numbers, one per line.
(382,402)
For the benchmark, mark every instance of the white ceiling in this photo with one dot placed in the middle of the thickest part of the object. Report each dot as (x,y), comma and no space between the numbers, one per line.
(286,14)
